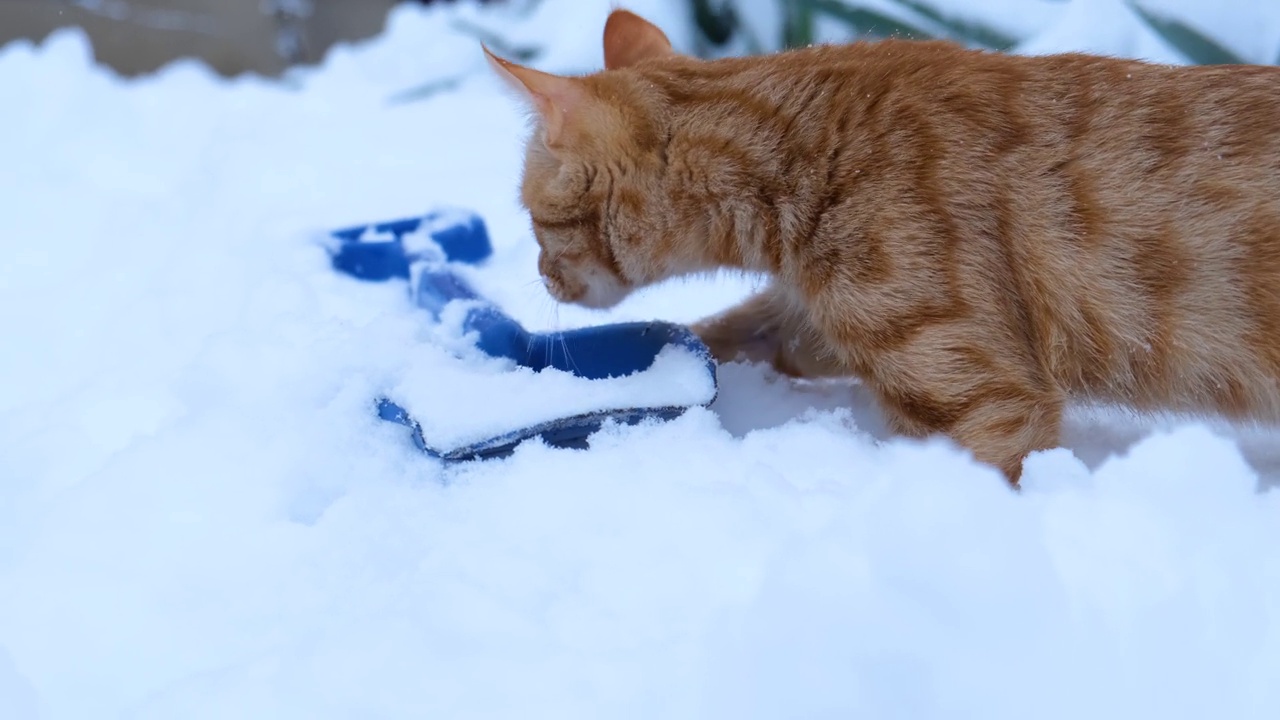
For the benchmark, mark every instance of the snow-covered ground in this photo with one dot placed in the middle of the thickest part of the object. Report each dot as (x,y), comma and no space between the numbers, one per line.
(201,518)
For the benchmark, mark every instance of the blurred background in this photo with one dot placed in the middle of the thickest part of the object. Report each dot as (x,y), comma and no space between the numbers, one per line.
(267,37)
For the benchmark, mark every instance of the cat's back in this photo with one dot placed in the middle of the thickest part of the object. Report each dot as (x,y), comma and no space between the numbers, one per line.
(1033,99)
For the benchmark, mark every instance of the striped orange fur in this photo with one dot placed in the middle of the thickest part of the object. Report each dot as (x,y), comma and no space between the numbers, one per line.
(980,237)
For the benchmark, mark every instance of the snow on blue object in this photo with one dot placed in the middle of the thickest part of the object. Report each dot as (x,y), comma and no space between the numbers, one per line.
(422,250)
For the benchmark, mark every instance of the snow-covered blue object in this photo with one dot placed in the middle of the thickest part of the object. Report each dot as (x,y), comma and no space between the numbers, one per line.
(424,250)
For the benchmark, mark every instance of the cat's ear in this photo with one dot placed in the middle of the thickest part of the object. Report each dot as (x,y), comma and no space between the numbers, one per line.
(557,99)
(629,38)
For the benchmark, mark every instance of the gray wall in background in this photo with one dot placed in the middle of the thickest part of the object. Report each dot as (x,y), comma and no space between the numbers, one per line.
(232,36)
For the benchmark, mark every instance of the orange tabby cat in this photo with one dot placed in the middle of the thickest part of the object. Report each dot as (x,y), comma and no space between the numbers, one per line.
(978,236)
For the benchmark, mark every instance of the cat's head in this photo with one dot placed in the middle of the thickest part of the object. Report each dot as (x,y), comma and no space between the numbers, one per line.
(594,169)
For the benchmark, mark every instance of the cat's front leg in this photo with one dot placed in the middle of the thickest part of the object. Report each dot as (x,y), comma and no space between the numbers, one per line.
(770,327)
(981,397)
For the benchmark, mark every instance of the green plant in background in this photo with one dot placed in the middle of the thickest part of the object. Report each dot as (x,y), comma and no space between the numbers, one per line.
(916,21)
(1199,48)
(718,21)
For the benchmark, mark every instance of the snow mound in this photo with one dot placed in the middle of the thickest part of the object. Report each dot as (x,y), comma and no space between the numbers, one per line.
(200,516)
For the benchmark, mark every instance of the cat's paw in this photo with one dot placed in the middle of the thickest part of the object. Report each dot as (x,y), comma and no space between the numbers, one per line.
(732,344)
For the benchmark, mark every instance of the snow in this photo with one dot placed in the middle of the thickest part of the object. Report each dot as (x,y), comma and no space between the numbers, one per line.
(200,517)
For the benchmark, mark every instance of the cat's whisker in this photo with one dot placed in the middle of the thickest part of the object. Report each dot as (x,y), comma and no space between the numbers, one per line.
(549,311)
(551,351)
(528,347)
(564,345)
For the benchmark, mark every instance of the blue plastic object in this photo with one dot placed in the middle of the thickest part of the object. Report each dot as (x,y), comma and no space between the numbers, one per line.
(460,235)
(594,353)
